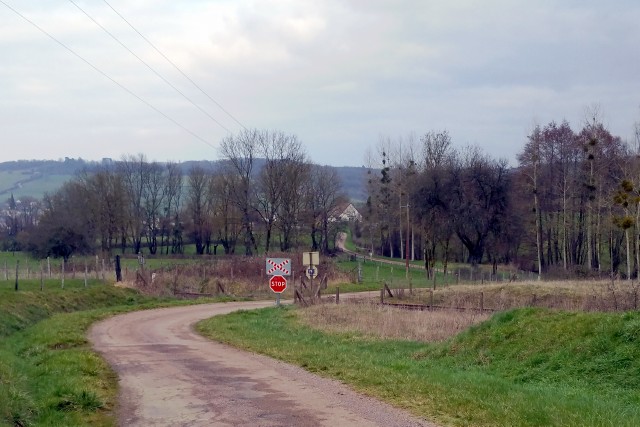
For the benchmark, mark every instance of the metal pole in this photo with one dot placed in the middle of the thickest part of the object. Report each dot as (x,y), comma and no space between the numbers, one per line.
(406,251)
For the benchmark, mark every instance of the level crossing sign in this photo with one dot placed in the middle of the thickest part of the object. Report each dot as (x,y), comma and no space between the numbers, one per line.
(278,267)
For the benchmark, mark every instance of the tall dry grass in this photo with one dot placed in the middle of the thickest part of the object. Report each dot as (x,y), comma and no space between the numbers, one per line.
(430,326)
(601,295)
(389,323)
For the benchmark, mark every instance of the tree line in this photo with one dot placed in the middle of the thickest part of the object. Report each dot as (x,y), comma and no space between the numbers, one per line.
(263,196)
(570,206)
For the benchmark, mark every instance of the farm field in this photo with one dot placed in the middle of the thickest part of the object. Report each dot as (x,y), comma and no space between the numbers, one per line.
(35,188)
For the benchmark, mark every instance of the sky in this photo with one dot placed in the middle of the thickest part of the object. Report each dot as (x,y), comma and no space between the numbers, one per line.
(340,75)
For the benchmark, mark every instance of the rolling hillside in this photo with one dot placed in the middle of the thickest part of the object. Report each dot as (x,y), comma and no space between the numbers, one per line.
(34,178)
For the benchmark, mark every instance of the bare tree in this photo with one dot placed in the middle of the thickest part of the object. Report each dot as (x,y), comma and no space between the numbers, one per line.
(436,148)
(479,202)
(228,218)
(198,193)
(323,196)
(284,157)
(172,226)
(297,177)
(66,226)
(531,159)
(429,198)
(153,195)
(133,170)
(107,203)
(240,153)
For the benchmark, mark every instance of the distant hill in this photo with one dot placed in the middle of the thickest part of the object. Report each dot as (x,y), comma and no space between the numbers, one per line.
(34,178)
(354,181)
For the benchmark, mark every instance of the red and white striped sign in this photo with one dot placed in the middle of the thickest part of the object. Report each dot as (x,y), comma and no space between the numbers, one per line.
(278,266)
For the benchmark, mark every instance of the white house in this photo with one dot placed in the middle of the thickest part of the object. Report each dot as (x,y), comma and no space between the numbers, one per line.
(345,212)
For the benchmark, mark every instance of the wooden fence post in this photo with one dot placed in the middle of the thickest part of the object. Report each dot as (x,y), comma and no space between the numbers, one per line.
(481,302)
(17,267)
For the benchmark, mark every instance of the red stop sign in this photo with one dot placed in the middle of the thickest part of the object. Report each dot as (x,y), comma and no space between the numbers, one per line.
(278,284)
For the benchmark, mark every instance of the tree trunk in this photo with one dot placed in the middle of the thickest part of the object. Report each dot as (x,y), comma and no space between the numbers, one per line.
(626,236)
(538,214)
(564,226)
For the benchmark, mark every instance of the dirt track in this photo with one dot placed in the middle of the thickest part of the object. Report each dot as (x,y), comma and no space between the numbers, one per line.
(170,376)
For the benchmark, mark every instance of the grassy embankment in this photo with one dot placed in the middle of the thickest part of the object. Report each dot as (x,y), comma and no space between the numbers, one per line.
(48,373)
(529,367)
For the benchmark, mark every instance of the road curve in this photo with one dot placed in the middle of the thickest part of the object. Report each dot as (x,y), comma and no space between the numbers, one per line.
(171,376)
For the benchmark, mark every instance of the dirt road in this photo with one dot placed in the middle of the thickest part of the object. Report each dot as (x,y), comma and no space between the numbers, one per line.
(171,376)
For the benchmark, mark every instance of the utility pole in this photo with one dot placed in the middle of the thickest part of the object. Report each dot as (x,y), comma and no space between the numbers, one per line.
(406,248)
(406,251)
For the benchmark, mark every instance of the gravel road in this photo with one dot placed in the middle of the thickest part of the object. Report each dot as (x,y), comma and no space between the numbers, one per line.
(171,376)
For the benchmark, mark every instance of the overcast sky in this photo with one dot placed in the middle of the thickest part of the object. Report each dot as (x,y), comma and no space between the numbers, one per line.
(338,74)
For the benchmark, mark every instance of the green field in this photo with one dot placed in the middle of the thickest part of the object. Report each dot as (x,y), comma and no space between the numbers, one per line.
(36,188)
(529,367)
(374,274)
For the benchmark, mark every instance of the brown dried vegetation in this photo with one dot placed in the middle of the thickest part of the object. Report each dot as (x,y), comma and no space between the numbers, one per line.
(372,320)
(569,295)
(234,276)
(458,307)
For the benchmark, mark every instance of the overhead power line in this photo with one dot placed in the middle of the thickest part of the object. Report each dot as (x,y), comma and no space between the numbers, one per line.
(149,66)
(174,65)
(130,92)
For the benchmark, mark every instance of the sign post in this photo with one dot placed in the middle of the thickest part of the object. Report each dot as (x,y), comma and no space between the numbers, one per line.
(278,284)
(311,260)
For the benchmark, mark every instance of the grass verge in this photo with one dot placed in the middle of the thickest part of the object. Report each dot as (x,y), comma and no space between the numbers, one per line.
(529,367)
(49,374)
